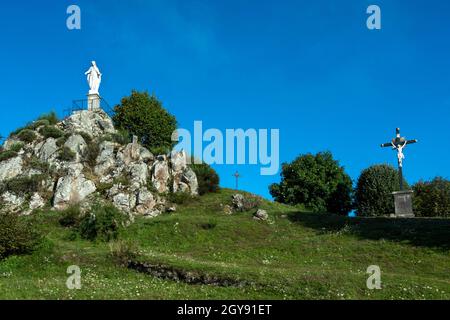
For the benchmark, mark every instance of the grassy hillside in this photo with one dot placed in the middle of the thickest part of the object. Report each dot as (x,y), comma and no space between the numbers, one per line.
(294,255)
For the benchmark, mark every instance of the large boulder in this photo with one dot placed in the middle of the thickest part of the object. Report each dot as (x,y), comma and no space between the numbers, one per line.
(72,189)
(160,174)
(105,159)
(46,150)
(11,168)
(190,179)
(77,145)
(93,122)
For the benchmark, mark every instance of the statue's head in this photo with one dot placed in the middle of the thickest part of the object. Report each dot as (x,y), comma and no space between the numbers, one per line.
(93,63)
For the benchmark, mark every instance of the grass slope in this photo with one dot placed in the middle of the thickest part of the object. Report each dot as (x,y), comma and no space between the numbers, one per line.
(295,255)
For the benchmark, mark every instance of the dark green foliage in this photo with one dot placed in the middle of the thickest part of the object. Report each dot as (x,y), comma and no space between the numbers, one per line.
(7,154)
(38,123)
(144,116)
(17,236)
(316,181)
(374,190)
(207,177)
(122,137)
(70,217)
(37,164)
(432,198)
(51,118)
(179,197)
(27,135)
(92,152)
(103,224)
(62,140)
(86,137)
(51,132)
(16,147)
(65,154)
(23,185)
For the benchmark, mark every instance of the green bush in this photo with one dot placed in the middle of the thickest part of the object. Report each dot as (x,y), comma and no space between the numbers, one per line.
(92,152)
(207,177)
(39,123)
(7,154)
(432,198)
(51,118)
(373,194)
(51,132)
(16,147)
(37,164)
(316,181)
(103,224)
(86,137)
(70,217)
(179,197)
(27,135)
(23,185)
(65,154)
(144,116)
(16,235)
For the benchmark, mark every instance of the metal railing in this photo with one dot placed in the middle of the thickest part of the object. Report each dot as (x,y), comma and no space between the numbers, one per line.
(82,104)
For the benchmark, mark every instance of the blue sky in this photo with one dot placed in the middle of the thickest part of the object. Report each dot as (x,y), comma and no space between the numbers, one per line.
(309,68)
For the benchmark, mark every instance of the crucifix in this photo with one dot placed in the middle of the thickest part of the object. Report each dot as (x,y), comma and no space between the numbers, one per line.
(399,143)
(237,176)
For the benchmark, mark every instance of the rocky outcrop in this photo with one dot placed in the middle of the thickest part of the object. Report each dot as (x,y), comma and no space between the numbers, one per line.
(129,176)
(10,168)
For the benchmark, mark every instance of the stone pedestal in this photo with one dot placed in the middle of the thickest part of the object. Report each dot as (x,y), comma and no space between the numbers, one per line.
(93,101)
(403,204)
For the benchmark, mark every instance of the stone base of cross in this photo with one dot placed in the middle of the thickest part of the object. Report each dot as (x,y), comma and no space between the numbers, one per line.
(402,198)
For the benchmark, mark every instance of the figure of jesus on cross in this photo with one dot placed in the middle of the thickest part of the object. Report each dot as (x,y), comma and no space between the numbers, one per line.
(399,143)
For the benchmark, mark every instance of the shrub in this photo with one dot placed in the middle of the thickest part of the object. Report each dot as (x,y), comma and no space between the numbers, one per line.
(70,217)
(92,152)
(316,181)
(16,235)
(123,252)
(51,118)
(374,190)
(179,197)
(27,135)
(65,154)
(37,164)
(86,137)
(23,185)
(144,116)
(51,132)
(432,198)
(104,223)
(16,147)
(39,123)
(7,154)
(207,177)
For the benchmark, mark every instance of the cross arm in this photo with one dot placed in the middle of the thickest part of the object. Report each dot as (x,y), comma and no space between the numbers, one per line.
(412,141)
(388,144)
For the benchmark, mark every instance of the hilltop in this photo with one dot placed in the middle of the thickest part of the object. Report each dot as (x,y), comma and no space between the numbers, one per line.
(201,252)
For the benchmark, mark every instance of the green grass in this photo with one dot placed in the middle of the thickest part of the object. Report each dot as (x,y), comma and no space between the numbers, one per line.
(295,255)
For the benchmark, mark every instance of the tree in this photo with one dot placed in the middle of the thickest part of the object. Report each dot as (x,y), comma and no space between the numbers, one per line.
(207,177)
(144,116)
(374,190)
(432,198)
(316,181)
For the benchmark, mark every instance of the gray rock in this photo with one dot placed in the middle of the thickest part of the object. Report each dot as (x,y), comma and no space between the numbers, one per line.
(13,201)
(145,202)
(178,162)
(146,155)
(261,215)
(10,168)
(237,201)
(105,159)
(72,189)
(48,150)
(77,144)
(139,174)
(124,201)
(93,122)
(190,179)
(160,175)
(36,201)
